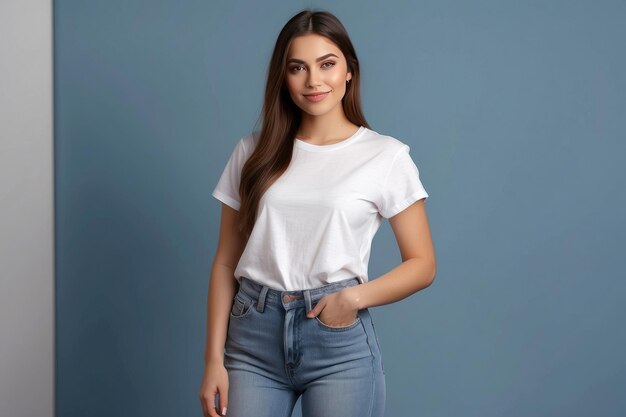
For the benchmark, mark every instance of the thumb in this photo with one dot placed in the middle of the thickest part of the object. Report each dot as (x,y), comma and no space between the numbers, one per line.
(316,310)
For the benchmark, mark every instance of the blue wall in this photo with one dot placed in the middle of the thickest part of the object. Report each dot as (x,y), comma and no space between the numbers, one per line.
(515,115)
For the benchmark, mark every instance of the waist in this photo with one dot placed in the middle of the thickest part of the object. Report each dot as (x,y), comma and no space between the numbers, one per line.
(256,290)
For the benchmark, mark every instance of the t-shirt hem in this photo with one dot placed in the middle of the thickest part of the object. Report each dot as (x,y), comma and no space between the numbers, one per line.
(226,199)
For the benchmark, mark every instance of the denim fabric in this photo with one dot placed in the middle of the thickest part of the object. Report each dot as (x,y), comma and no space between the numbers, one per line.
(274,354)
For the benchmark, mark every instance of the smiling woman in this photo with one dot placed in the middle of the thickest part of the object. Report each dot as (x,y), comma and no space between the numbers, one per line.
(317,84)
(289,297)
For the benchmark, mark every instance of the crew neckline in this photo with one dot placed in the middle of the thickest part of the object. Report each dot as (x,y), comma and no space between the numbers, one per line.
(325,148)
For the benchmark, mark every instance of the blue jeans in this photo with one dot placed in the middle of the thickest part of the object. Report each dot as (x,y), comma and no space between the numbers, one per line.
(274,354)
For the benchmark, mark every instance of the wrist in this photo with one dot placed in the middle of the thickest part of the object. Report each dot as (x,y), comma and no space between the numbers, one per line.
(354,296)
(212,359)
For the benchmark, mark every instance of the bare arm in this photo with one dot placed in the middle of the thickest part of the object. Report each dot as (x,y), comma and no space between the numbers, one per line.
(416,272)
(222,288)
(222,285)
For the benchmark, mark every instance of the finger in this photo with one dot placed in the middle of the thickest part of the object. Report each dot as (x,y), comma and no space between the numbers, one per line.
(205,413)
(223,401)
(210,406)
(205,405)
(318,307)
(213,411)
(313,312)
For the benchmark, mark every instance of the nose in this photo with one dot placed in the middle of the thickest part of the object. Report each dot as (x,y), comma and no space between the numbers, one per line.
(312,79)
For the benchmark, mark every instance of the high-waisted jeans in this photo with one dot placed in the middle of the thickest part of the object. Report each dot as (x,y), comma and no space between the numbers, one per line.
(274,354)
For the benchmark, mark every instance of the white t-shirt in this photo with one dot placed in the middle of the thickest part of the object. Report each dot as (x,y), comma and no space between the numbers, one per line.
(316,223)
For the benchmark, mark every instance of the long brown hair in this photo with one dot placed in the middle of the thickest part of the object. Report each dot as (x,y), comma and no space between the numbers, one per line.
(281,117)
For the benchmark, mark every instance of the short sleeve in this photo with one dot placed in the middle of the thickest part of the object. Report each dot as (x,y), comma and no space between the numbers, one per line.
(227,188)
(402,185)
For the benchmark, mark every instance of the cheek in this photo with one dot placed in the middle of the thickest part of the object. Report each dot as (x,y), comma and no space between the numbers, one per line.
(336,79)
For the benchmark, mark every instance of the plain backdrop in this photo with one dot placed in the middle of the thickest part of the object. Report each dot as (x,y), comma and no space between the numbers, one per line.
(26,210)
(514,112)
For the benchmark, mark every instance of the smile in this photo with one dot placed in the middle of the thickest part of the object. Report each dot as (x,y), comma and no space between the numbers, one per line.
(316,97)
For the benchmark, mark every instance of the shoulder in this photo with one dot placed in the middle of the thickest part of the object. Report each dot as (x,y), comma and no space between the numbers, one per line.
(384,145)
(249,141)
(246,145)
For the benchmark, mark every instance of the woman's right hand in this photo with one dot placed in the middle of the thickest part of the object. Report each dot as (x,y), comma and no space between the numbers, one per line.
(214,381)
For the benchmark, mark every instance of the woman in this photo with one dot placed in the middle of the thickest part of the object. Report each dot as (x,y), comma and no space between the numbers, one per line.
(302,200)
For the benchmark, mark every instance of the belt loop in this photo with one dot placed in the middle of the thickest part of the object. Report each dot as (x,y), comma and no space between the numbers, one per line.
(307,299)
(261,302)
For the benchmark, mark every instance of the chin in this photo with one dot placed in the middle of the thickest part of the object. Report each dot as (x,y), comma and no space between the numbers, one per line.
(317,112)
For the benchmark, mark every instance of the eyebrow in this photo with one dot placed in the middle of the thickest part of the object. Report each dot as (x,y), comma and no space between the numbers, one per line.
(299,61)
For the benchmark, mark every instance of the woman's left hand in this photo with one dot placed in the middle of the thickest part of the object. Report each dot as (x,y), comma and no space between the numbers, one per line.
(338,308)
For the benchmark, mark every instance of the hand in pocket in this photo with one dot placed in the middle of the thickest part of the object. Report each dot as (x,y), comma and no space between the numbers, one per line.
(338,310)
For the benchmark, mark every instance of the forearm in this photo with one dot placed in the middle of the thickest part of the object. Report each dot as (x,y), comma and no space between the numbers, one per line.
(407,278)
(222,288)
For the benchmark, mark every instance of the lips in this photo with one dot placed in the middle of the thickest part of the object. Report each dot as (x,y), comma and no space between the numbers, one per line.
(321,93)
(315,97)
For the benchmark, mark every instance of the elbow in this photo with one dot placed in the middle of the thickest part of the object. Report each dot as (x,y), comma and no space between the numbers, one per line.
(425,272)
(433,273)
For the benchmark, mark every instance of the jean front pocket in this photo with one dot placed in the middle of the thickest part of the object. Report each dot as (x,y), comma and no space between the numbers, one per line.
(338,328)
(241,306)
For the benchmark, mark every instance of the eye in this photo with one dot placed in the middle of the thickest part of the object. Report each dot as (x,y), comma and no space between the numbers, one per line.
(295,68)
(292,69)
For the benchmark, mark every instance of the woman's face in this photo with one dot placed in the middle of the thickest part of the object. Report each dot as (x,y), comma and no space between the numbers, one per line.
(316,65)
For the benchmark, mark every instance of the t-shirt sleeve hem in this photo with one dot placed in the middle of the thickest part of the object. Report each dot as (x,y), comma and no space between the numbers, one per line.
(226,199)
(405,203)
